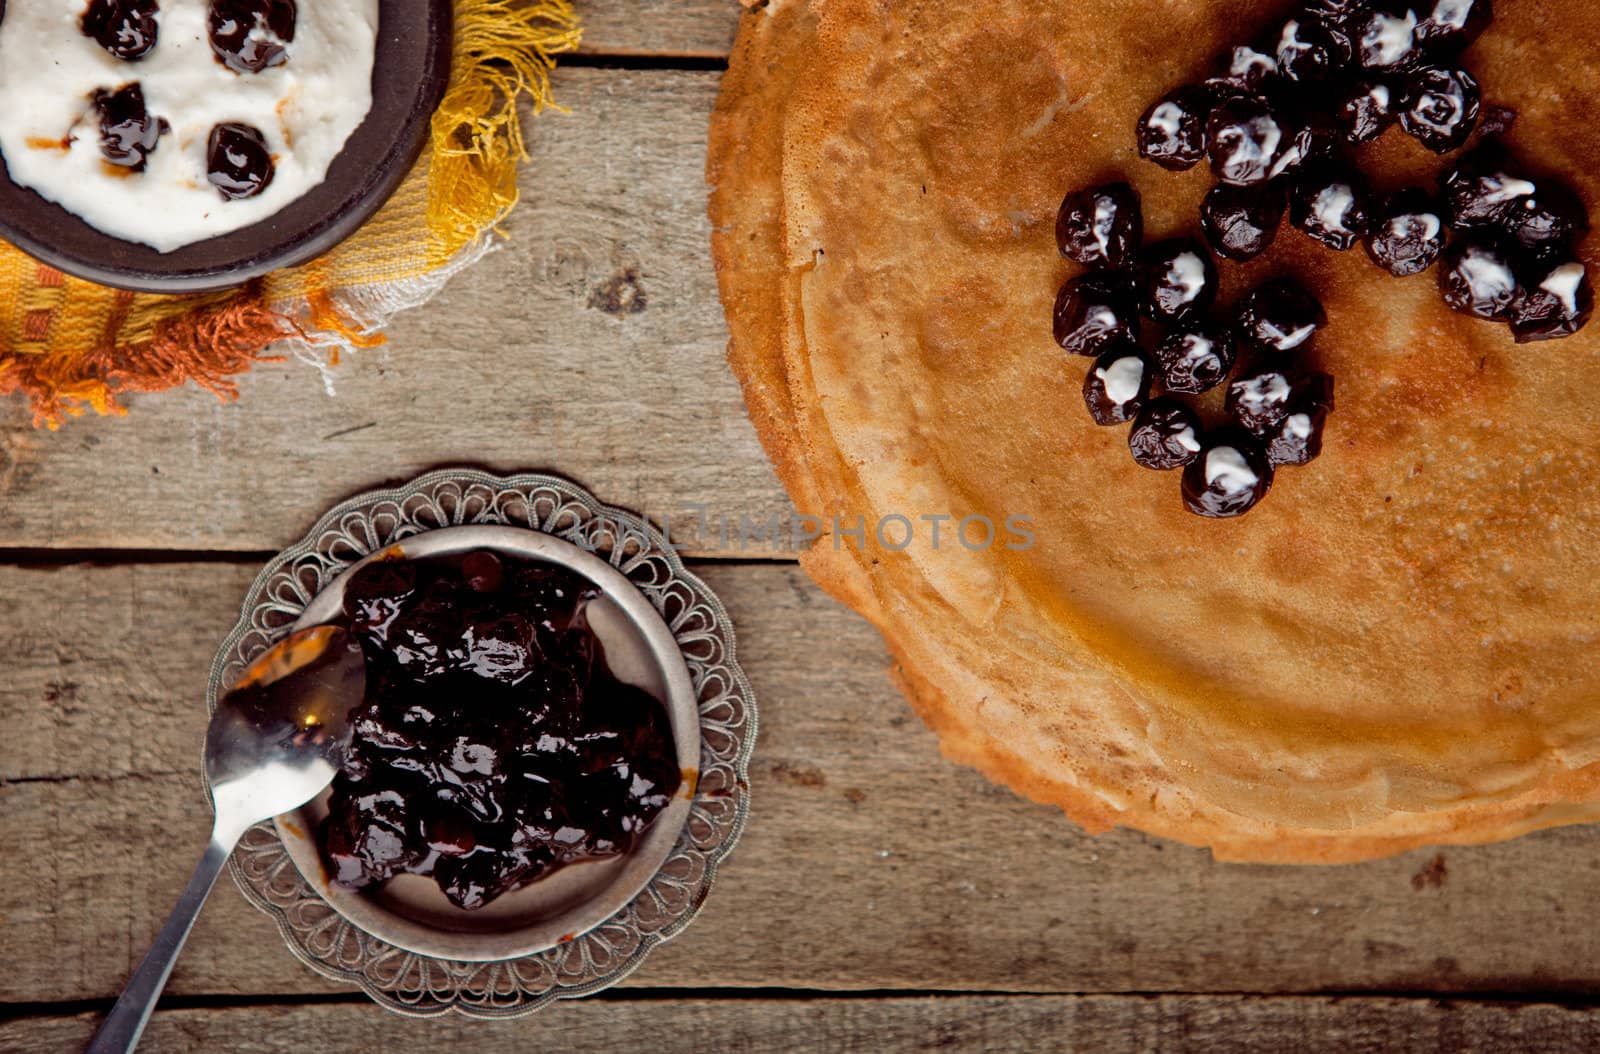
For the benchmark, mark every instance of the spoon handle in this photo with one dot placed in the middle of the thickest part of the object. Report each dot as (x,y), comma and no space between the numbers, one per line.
(120,1031)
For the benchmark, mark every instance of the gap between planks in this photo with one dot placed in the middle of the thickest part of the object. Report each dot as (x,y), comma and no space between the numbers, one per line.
(613,60)
(671,30)
(1577,1002)
(1105,1024)
(35,558)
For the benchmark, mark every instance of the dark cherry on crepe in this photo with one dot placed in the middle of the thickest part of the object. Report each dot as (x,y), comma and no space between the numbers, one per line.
(1277,119)
(410,73)
(1229,477)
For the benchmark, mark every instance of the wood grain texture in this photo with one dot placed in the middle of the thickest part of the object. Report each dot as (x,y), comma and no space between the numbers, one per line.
(869,863)
(994,1025)
(659,28)
(591,344)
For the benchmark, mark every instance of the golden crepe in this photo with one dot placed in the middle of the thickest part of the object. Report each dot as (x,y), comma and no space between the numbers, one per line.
(1397,648)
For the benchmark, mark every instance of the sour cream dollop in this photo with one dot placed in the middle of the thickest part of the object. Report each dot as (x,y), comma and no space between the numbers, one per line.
(306,109)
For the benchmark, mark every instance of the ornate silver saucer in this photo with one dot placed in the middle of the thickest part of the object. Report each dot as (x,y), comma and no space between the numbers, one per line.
(589,925)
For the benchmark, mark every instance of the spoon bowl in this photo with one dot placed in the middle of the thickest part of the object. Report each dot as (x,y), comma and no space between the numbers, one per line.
(276,741)
(279,737)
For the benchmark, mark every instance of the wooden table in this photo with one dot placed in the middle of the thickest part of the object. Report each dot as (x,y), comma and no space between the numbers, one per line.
(881,899)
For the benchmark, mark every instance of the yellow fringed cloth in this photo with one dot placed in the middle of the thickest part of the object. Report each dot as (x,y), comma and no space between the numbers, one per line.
(70,346)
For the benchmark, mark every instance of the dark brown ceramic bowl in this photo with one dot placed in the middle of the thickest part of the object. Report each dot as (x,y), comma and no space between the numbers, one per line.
(411,70)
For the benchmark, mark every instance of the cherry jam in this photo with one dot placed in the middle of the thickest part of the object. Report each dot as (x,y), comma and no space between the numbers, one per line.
(494,744)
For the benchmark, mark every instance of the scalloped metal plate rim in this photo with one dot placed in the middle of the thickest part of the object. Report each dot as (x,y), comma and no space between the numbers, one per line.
(414,983)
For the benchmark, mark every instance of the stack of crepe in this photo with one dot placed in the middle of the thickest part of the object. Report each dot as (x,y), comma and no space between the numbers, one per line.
(1396,648)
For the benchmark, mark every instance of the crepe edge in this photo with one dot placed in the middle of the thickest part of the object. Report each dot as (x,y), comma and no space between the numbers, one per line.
(745,147)
(743,204)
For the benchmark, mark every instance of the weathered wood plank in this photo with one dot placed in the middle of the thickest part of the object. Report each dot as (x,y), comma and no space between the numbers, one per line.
(669,28)
(869,862)
(1022,1024)
(592,344)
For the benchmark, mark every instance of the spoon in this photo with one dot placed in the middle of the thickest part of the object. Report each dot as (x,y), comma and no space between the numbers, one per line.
(277,739)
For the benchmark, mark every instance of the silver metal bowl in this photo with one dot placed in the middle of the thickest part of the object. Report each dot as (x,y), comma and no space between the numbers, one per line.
(409,911)
(585,926)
